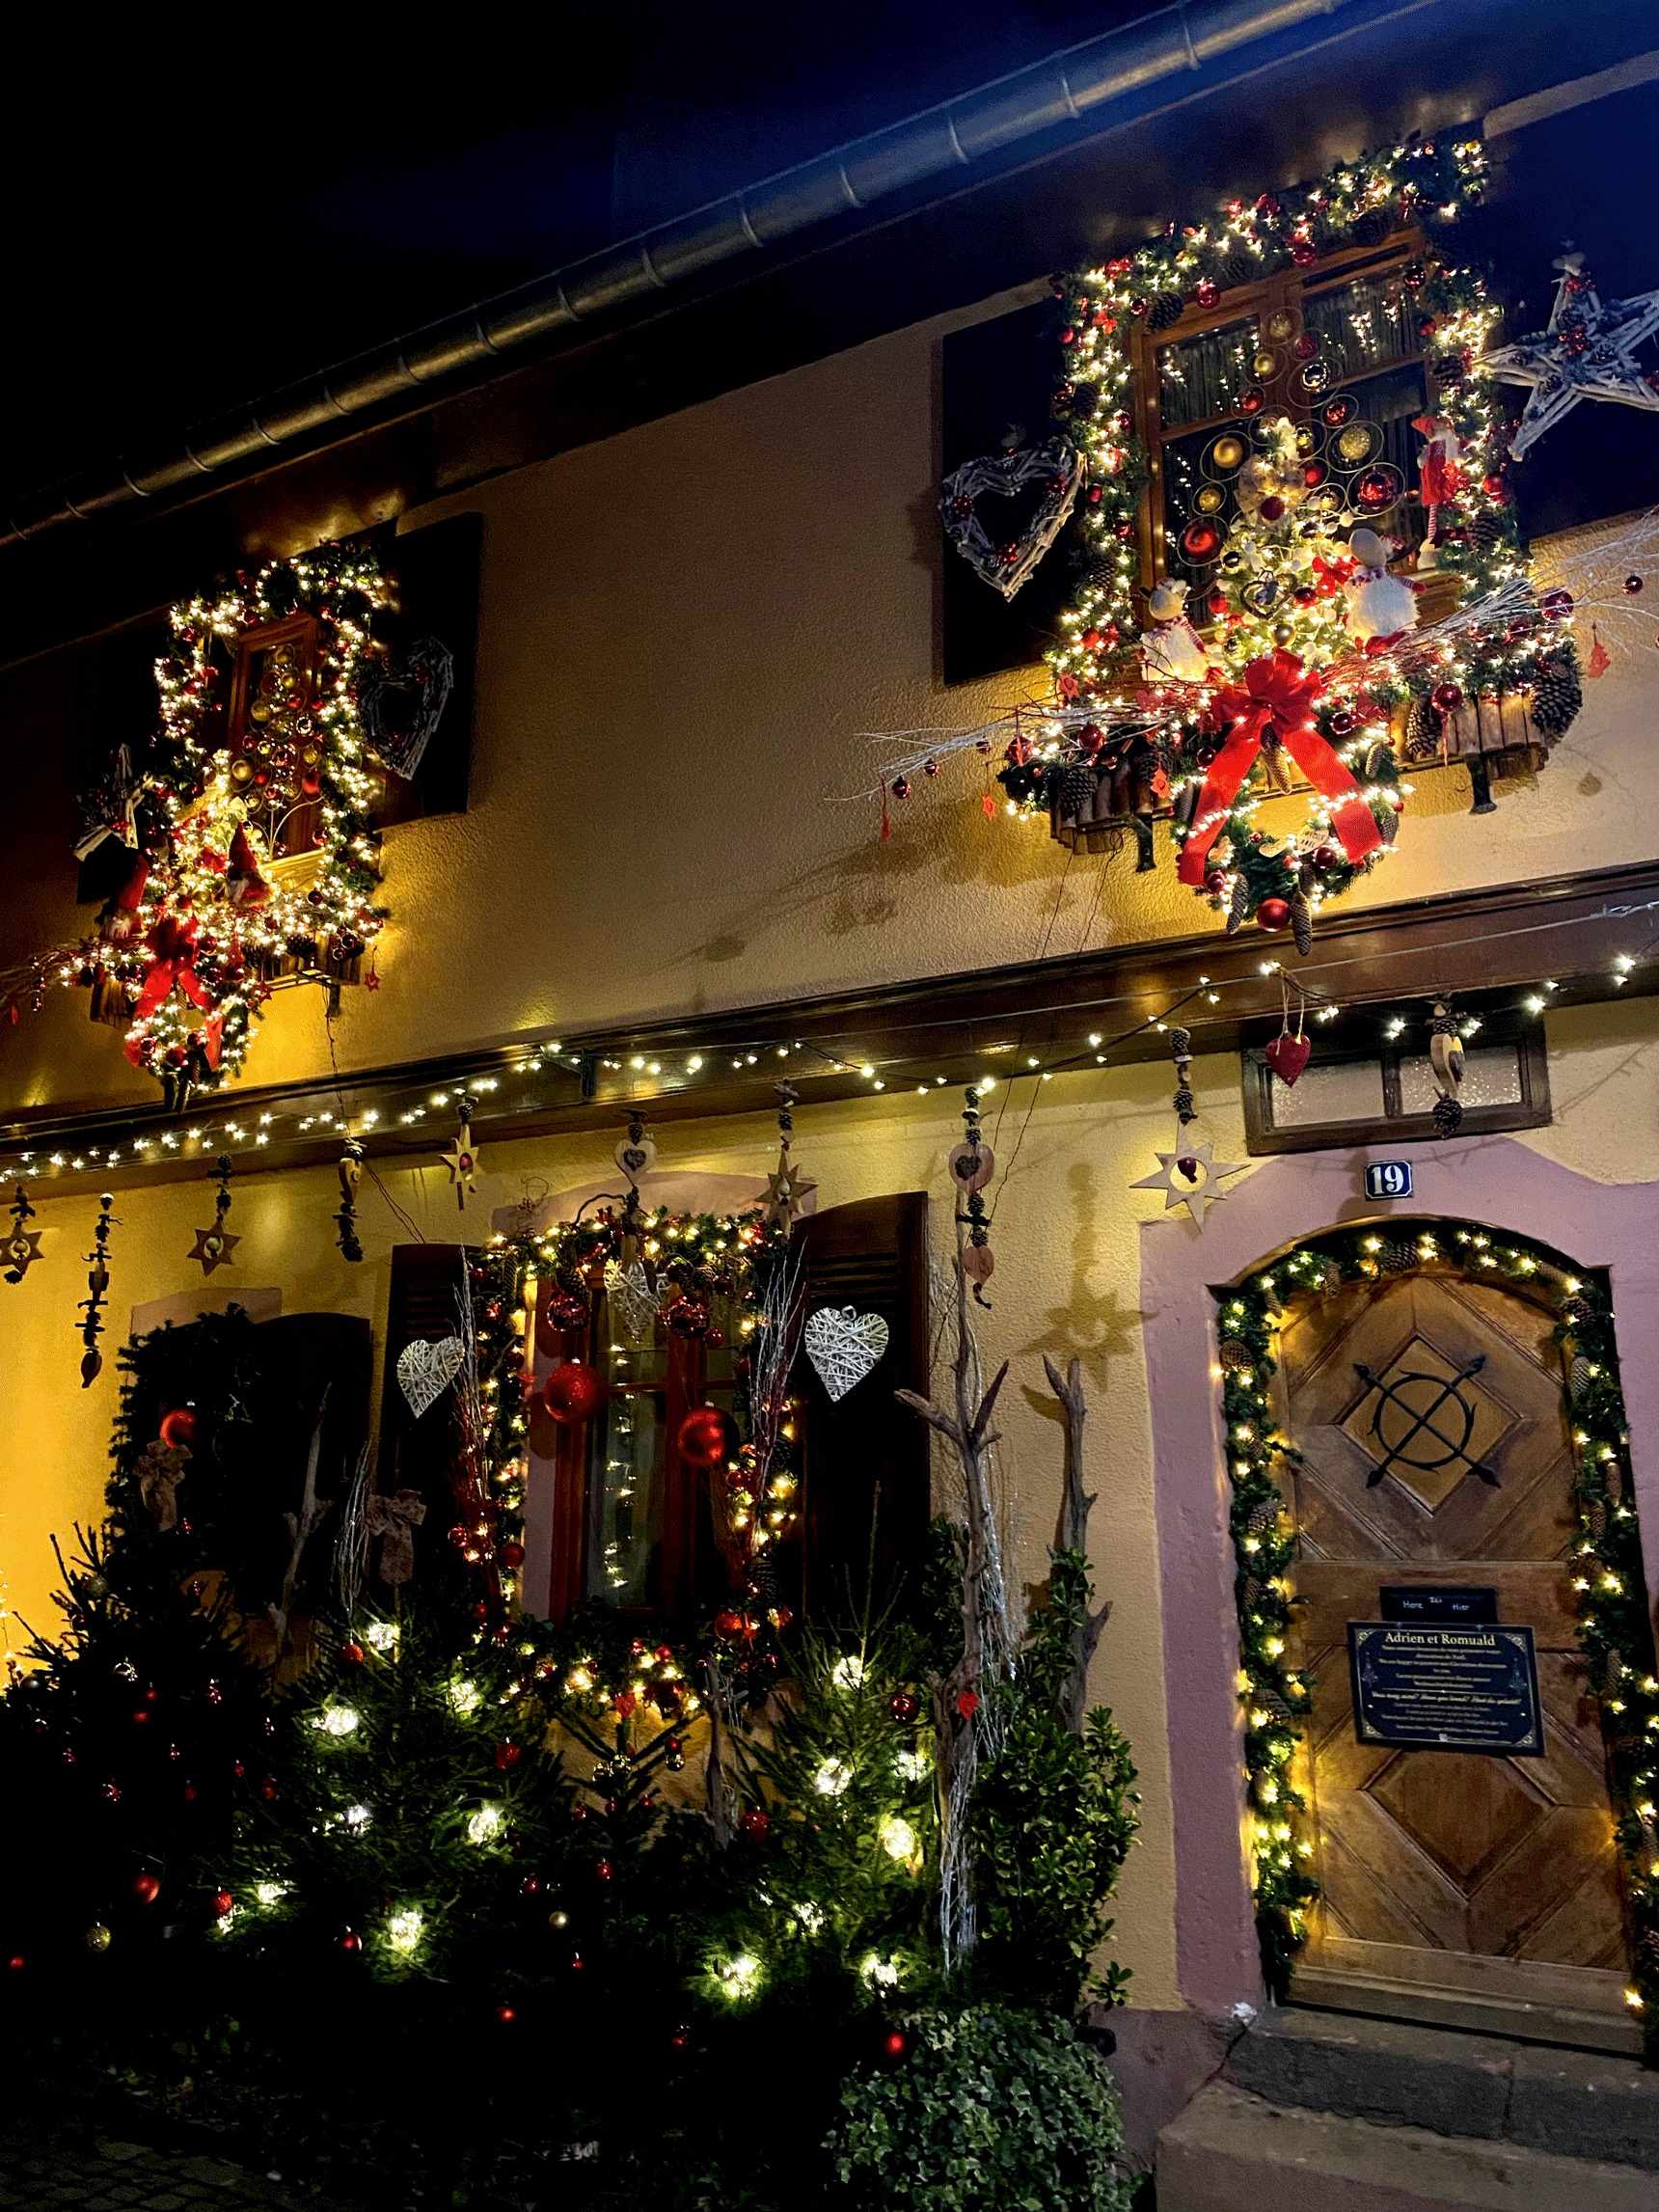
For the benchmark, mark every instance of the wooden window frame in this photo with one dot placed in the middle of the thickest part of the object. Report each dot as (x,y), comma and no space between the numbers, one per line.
(1285,292)
(1531,1111)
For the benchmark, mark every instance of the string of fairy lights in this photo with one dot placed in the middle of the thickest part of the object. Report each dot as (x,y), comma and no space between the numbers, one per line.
(395,1115)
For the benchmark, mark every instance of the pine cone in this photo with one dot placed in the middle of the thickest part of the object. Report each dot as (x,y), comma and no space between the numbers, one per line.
(1422,731)
(1238,906)
(1398,1258)
(1578,1376)
(1448,1115)
(1236,1355)
(1379,758)
(1387,823)
(1485,532)
(1166,307)
(1557,697)
(1302,924)
(1237,267)
(1078,785)
(1372,228)
(1576,1311)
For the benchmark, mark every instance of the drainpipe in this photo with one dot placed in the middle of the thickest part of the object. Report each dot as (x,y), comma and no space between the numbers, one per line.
(1067,88)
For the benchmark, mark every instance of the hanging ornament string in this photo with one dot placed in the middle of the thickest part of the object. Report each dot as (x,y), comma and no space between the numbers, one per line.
(214,1245)
(972,1164)
(1190,1175)
(345,1219)
(1288,1055)
(1446,1058)
(22,1248)
(97,1285)
(462,1157)
(787,1188)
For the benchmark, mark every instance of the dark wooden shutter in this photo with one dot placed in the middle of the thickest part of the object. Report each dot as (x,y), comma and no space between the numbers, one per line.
(866,1454)
(414,1455)
(437,570)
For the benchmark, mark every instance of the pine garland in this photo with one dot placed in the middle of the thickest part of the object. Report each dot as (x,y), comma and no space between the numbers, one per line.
(1608,1580)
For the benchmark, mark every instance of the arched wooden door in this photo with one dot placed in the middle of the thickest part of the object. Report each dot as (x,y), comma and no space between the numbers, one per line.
(1462,1887)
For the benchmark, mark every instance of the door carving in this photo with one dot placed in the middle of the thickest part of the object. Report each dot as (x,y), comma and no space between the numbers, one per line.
(1483,1891)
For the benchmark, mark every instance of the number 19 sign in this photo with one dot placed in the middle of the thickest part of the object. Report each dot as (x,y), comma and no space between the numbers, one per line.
(1388,1179)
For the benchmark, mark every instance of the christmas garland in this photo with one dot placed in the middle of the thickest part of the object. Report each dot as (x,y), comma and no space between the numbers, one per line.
(1607,1581)
(1286,674)
(211,918)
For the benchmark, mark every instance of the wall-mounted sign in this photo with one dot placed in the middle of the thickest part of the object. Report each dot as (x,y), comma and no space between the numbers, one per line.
(1460,1688)
(1437,1602)
(1388,1179)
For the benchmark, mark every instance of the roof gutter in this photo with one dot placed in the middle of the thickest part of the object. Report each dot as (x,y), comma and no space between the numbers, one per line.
(1069,86)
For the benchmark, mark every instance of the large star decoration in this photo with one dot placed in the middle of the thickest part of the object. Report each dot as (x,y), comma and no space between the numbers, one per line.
(787,1190)
(1190,1177)
(213,1247)
(1586,351)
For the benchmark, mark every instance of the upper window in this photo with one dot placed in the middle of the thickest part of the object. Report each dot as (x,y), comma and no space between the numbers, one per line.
(1388,1096)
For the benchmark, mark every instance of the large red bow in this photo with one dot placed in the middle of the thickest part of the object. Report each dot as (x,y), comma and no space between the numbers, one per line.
(171,946)
(1278,695)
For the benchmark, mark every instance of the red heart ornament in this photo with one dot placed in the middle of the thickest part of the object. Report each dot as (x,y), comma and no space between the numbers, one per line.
(1288,1056)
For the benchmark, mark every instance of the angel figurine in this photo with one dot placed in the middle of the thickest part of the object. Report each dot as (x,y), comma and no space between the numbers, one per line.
(1379,605)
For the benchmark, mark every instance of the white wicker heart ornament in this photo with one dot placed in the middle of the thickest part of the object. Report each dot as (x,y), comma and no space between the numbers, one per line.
(426,1371)
(843,1345)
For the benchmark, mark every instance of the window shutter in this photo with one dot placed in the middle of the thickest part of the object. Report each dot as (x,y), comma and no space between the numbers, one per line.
(865,1454)
(415,1454)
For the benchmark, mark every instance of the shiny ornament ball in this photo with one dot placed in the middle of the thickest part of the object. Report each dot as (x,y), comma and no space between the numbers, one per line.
(510,1554)
(1324,857)
(893,2043)
(1556,606)
(905,1707)
(1273,913)
(565,1311)
(1633,585)
(707,1436)
(1448,698)
(505,2015)
(930,766)
(689,1316)
(97,1937)
(901,786)
(1209,291)
(507,1756)
(756,1823)
(1343,724)
(351,1942)
(178,1429)
(147,1887)
(353,1653)
(573,1393)
(224,1903)
(1215,882)
(1272,508)
(1140,305)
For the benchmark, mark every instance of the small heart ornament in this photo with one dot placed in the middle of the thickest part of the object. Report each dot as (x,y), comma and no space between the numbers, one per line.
(426,1371)
(1288,1056)
(1057,466)
(843,1345)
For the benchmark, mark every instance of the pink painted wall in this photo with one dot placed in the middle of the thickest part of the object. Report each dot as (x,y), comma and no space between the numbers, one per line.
(1498,1183)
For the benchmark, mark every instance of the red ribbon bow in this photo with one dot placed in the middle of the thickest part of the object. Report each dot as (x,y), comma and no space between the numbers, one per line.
(172,954)
(1278,695)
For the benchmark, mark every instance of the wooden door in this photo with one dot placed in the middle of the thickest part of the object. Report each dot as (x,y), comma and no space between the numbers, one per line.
(1475,1889)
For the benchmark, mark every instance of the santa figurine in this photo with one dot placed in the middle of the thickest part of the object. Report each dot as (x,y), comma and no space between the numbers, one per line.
(1171,651)
(1381,607)
(1440,476)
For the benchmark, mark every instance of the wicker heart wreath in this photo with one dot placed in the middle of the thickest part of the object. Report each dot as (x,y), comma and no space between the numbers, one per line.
(844,1344)
(1056,465)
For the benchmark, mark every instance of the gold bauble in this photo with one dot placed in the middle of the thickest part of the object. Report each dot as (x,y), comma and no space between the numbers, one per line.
(1227,452)
(1265,364)
(1210,499)
(1354,443)
(1280,325)
(97,1937)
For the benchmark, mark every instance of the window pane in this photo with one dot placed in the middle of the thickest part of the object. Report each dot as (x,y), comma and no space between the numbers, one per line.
(625,1498)
(1491,1077)
(1363,325)
(1351,1090)
(1199,378)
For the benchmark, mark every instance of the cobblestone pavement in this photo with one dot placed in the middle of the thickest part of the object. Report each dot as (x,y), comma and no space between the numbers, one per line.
(59,2171)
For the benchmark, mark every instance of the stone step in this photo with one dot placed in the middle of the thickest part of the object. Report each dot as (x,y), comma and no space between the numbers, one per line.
(1230,2151)
(1577,2104)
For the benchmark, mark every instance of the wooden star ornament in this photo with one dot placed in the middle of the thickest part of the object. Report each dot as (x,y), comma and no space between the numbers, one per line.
(462,1162)
(1190,1177)
(214,1245)
(787,1190)
(1587,350)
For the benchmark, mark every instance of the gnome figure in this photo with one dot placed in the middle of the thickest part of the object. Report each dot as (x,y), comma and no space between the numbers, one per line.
(1172,652)
(1381,605)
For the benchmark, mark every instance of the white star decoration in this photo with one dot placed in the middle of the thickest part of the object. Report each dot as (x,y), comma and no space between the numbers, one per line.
(1197,1190)
(1586,351)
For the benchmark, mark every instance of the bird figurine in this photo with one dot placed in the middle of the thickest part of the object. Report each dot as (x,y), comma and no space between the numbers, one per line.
(1171,650)
(1379,605)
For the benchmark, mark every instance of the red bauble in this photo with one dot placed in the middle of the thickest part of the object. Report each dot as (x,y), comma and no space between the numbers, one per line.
(507,1754)
(1324,857)
(178,1429)
(1273,913)
(756,1823)
(564,1310)
(353,1653)
(574,1393)
(1302,252)
(510,1554)
(689,1316)
(147,1887)
(505,2015)
(1633,585)
(1272,508)
(1252,400)
(1448,698)
(1556,606)
(730,1624)
(351,1942)
(708,1436)
(224,1903)
(902,783)
(1215,882)
(893,2043)
(905,1707)
(1201,540)
(1495,489)
(1209,291)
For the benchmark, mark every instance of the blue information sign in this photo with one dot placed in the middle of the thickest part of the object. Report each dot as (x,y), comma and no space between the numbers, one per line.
(1388,1179)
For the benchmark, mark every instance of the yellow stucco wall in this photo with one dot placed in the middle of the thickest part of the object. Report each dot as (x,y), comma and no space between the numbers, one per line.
(685,631)
(1067,1240)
